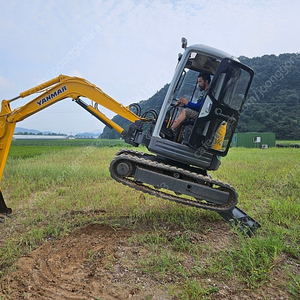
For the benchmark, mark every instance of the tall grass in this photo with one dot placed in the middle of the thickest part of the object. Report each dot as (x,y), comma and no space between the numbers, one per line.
(58,190)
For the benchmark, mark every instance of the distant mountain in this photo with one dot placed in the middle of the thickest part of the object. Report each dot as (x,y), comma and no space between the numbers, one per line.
(21,130)
(96,131)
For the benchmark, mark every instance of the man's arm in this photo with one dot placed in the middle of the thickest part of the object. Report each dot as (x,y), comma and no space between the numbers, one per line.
(194,106)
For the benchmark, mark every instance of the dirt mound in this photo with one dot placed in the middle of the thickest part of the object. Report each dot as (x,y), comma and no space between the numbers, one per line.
(98,262)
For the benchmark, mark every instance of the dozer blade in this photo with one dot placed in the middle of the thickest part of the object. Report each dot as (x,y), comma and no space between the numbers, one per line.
(3,208)
(240,220)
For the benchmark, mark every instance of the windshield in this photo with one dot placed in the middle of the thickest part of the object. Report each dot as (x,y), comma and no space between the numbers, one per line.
(197,64)
(188,86)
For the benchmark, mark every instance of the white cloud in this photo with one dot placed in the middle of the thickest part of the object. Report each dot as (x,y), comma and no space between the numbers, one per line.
(75,72)
(5,84)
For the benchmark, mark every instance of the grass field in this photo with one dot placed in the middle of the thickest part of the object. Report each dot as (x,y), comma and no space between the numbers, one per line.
(53,186)
(31,148)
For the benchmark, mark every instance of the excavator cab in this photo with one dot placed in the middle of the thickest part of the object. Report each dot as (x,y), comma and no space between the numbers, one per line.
(203,140)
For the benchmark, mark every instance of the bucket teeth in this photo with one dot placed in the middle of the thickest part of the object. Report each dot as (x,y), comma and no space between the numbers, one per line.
(3,208)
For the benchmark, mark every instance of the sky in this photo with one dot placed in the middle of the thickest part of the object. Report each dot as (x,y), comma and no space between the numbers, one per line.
(127,48)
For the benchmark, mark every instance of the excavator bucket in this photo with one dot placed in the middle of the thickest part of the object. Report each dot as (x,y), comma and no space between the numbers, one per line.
(3,208)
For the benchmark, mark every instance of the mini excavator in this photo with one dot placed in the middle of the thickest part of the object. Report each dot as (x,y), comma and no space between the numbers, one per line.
(176,168)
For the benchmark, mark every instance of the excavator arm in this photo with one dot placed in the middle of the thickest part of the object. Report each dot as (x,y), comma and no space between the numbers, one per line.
(52,91)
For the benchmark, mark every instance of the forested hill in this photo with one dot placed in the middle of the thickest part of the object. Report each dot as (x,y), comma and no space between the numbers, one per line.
(274,98)
(273,103)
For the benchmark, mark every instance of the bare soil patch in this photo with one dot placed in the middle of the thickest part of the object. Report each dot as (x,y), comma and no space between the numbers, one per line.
(99,262)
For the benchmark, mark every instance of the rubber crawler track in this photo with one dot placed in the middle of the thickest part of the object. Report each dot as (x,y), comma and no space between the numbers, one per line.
(142,159)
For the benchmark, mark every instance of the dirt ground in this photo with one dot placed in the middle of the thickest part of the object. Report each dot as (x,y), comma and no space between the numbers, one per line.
(98,262)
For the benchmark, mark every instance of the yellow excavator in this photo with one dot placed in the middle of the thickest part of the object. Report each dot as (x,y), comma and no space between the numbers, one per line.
(177,168)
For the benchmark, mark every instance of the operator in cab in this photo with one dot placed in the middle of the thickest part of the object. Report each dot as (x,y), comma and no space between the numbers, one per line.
(191,110)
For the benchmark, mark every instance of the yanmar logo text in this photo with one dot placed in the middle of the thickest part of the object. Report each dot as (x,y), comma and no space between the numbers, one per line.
(52,95)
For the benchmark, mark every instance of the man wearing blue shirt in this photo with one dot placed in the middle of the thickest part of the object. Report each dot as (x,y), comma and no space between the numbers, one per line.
(191,109)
